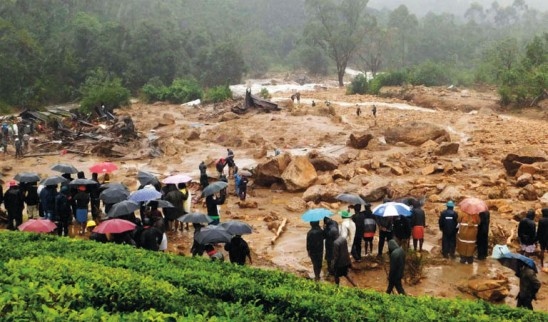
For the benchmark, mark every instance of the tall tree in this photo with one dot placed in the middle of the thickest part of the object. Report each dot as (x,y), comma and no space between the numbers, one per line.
(339,27)
(404,24)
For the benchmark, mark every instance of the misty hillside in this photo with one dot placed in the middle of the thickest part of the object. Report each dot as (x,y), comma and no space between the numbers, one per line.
(456,7)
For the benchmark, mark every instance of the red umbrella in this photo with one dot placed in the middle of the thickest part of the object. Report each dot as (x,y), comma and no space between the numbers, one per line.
(473,205)
(114,226)
(103,167)
(38,226)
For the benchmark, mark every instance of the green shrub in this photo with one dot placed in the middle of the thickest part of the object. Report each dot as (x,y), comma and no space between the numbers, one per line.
(180,91)
(100,88)
(359,85)
(264,93)
(395,78)
(217,94)
(429,74)
(154,90)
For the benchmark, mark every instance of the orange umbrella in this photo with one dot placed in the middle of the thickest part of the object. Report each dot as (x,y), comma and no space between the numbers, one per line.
(103,167)
(473,205)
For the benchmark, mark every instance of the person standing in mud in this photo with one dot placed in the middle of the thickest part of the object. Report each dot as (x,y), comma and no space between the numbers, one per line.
(314,247)
(230,162)
(374,111)
(341,260)
(386,225)
(529,286)
(32,200)
(483,235)
(330,232)
(467,236)
(527,233)
(238,250)
(369,229)
(14,203)
(397,267)
(359,221)
(220,166)
(204,180)
(94,192)
(418,223)
(448,225)
(358,110)
(63,211)
(542,234)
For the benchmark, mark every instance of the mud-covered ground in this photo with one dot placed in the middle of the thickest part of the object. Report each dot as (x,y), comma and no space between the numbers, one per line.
(188,134)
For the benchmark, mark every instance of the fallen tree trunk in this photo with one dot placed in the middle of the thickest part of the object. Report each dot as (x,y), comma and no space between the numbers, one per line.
(279,232)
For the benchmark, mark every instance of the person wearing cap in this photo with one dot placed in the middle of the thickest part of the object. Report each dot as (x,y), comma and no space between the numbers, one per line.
(14,203)
(448,222)
(348,228)
(81,200)
(314,247)
(63,211)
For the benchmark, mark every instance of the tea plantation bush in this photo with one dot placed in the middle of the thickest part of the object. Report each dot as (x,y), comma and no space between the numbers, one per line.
(46,278)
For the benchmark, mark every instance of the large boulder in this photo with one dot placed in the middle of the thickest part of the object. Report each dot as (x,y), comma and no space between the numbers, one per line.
(446,148)
(492,290)
(526,155)
(376,189)
(417,133)
(326,193)
(299,174)
(359,140)
(322,162)
(270,171)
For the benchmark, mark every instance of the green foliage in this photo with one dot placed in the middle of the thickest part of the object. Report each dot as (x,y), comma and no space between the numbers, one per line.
(83,279)
(222,64)
(217,94)
(359,85)
(180,91)
(313,59)
(429,74)
(264,93)
(101,88)
(395,78)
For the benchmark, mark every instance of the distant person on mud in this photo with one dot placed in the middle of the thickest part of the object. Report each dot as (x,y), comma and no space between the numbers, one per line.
(374,110)
(212,203)
(527,233)
(230,162)
(204,180)
(359,221)
(358,111)
(296,96)
(242,188)
(341,260)
(220,166)
(448,226)
(314,247)
(542,234)
(397,267)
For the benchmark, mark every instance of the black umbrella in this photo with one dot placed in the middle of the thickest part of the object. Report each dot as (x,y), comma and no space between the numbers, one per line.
(83,182)
(122,208)
(53,181)
(514,261)
(113,195)
(213,188)
(213,235)
(64,168)
(114,185)
(351,199)
(161,203)
(146,178)
(25,177)
(195,218)
(236,227)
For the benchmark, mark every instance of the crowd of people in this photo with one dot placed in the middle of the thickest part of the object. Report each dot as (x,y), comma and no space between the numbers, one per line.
(70,203)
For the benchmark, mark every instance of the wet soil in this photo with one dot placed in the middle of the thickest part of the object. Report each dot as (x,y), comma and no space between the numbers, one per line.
(485,139)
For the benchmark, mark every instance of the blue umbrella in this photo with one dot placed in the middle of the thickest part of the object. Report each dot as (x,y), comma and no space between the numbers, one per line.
(512,261)
(316,214)
(392,209)
(144,195)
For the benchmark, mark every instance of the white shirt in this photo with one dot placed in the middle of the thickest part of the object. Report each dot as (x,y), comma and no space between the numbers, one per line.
(348,231)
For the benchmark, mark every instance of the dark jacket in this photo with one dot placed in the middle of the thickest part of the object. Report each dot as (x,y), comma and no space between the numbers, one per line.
(483,227)
(397,261)
(14,201)
(341,257)
(63,211)
(527,229)
(1,194)
(31,197)
(418,218)
(151,238)
(402,228)
(176,198)
(542,232)
(369,223)
(81,200)
(528,283)
(448,221)
(47,199)
(331,232)
(314,240)
(211,204)
(238,250)
(358,219)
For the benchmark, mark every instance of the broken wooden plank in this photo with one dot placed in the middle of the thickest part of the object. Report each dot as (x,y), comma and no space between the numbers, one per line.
(279,232)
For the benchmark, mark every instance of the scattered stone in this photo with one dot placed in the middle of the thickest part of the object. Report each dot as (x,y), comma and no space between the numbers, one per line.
(299,174)
(417,133)
(524,180)
(270,172)
(359,140)
(526,155)
(446,148)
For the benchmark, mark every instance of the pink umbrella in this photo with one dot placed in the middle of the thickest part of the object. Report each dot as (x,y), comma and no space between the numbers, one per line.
(472,205)
(38,226)
(103,167)
(177,178)
(114,226)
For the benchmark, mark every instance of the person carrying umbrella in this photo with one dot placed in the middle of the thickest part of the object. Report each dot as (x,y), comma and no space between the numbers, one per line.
(527,233)
(386,225)
(402,231)
(529,285)
(314,247)
(204,180)
(397,267)
(238,250)
(212,203)
(467,236)
(448,226)
(331,232)
(81,201)
(14,203)
(542,234)
(47,200)
(341,260)
(32,200)
(63,211)
(197,249)
(187,200)
(175,196)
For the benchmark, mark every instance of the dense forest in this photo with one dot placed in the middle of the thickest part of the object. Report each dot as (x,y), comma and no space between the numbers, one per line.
(53,50)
